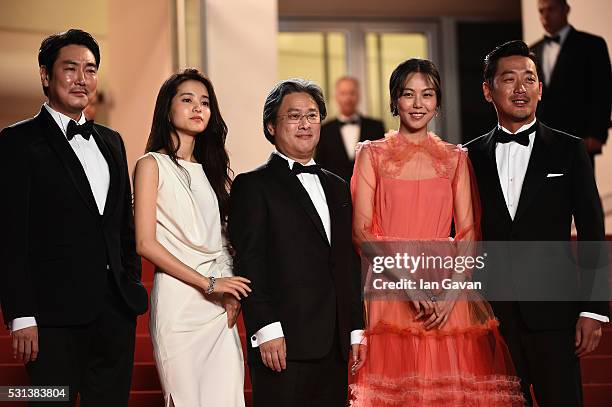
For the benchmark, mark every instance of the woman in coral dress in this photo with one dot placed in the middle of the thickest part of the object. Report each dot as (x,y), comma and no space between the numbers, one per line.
(439,349)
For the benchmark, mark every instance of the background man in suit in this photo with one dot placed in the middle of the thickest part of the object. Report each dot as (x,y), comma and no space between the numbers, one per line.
(290,224)
(532,180)
(70,279)
(575,66)
(336,149)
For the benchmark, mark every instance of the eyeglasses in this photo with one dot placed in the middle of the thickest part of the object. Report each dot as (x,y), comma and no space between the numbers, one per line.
(294,118)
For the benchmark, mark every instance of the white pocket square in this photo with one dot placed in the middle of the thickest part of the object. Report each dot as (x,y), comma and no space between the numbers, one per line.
(554,175)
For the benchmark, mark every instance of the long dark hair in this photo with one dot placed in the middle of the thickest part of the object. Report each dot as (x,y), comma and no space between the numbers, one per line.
(209,149)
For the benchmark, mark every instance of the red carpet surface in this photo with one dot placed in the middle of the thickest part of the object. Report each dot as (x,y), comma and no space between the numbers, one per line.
(146,391)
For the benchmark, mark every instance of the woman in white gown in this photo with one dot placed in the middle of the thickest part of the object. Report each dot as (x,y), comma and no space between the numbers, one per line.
(181,201)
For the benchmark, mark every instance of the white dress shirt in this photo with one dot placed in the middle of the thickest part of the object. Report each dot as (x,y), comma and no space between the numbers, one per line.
(550,53)
(350,134)
(512,160)
(312,185)
(96,170)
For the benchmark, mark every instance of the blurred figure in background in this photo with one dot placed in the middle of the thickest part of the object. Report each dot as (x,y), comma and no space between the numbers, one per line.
(339,137)
(576,70)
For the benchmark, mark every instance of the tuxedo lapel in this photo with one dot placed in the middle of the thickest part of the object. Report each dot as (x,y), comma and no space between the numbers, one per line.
(332,205)
(536,170)
(280,168)
(565,53)
(494,193)
(113,160)
(73,166)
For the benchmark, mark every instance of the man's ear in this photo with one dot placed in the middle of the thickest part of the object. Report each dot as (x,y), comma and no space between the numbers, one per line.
(486,91)
(270,128)
(44,76)
(540,92)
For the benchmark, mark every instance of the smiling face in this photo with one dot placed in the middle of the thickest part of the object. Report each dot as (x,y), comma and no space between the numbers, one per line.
(190,108)
(515,92)
(296,140)
(72,80)
(417,104)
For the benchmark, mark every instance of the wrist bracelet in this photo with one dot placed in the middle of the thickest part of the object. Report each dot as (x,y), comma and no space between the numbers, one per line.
(211,285)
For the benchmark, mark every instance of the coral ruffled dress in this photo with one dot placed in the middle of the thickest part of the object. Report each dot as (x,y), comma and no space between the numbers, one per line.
(411,191)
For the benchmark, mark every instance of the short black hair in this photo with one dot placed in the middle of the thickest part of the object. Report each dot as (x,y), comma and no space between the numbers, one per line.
(51,46)
(507,49)
(408,67)
(284,88)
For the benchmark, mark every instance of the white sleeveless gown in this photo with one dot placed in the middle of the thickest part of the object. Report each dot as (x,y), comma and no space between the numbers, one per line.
(199,359)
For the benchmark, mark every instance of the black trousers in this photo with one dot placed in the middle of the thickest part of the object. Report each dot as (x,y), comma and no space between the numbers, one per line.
(313,383)
(95,360)
(544,359)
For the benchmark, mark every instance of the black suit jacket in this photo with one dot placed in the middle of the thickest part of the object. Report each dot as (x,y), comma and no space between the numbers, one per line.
(331,153)
(297,277)
(544,212)
(582,75)
(55,245)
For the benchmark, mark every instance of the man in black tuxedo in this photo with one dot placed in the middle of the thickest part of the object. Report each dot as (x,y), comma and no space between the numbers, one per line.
(290,225)
(533,180)
(336,149)
(575,66)
(70,279)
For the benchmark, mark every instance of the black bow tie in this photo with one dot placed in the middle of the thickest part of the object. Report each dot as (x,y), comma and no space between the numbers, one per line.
(310,169)
(350,121)
(84,129)
(521,137)
(554,38)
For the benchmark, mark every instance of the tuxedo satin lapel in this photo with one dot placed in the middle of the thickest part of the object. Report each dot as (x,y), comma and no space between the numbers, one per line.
(293,184)
(113,160)
(536,171)
(494,193)
(73,166)
(332,204)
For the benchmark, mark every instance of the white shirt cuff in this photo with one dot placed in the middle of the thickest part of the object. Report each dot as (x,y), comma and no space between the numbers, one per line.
(600,318)
(21,323)
(267,333)
(358,338)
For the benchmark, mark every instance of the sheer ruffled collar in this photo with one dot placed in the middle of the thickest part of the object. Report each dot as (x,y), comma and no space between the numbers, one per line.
(395,137)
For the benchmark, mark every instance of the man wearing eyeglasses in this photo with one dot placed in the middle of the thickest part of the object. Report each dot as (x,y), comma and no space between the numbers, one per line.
(290,225)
